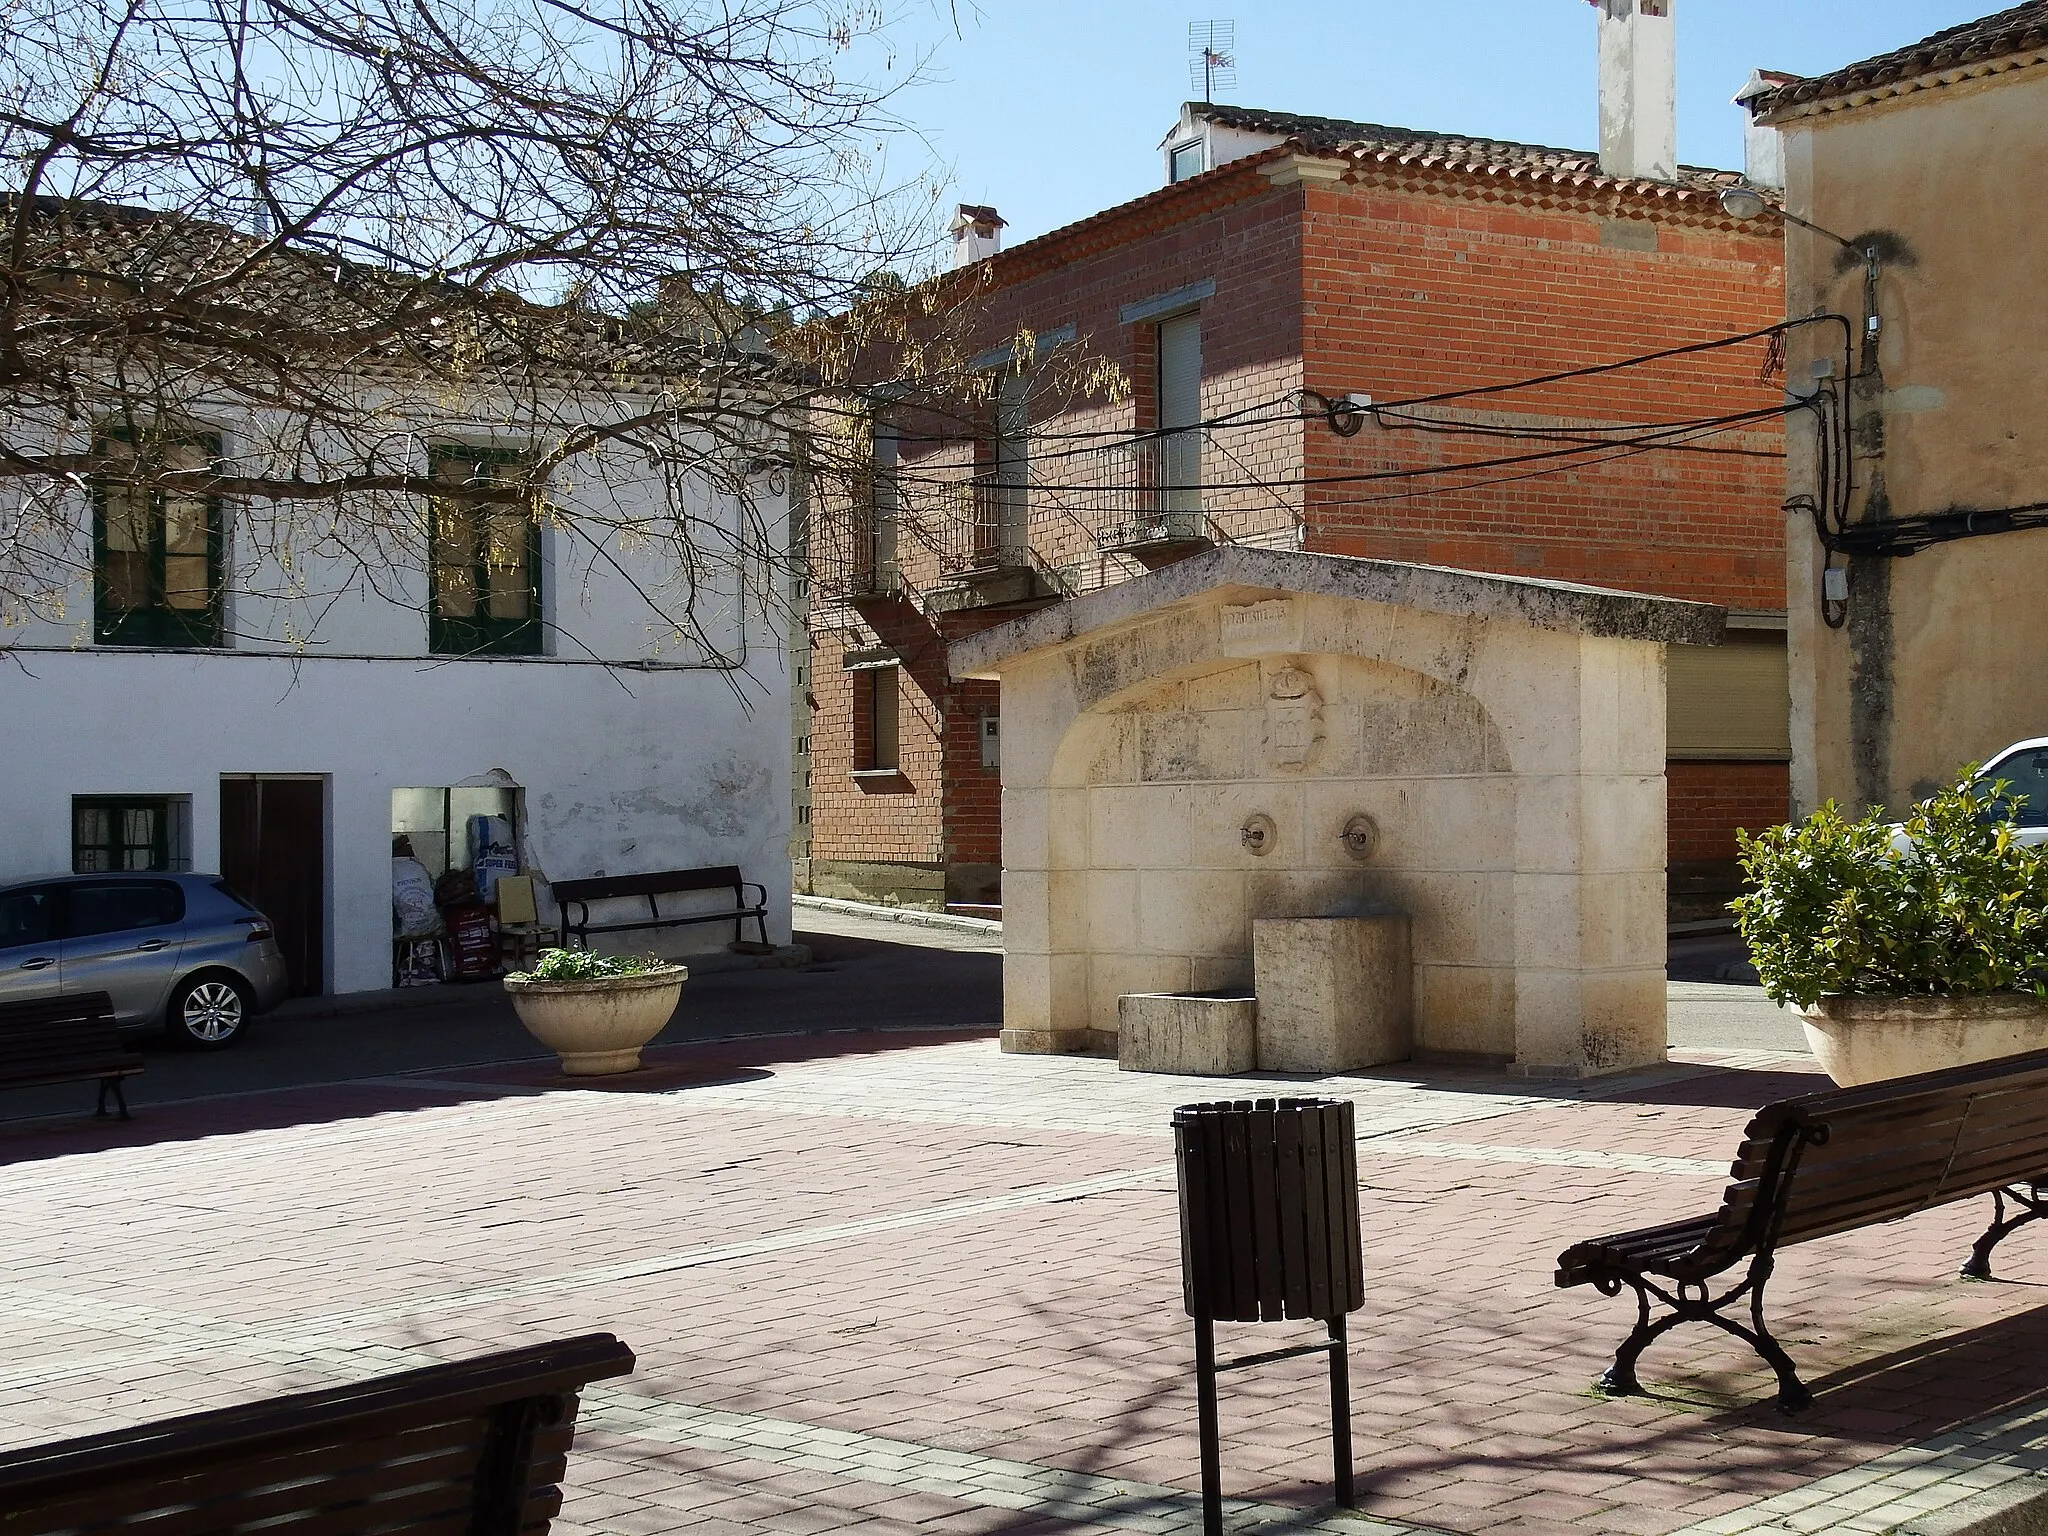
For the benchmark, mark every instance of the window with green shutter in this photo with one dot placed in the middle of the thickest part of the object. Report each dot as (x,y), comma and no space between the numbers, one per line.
(157,556)
(485,597)
(119,832)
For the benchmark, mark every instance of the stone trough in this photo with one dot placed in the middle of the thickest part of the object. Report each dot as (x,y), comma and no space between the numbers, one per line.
(1329,994)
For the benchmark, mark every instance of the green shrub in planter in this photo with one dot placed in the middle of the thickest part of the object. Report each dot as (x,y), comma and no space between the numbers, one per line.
(1947,902)
(586,965)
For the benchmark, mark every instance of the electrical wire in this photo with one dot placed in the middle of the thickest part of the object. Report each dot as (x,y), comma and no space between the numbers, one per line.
(881,398)
(1653,439)
(1324,503)
(1580,448)
(1564,434)
(1591,369)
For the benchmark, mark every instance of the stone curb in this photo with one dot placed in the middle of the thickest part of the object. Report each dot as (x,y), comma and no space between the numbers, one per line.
(917,917)
(2019,1508)
(455,993)
(1700,928)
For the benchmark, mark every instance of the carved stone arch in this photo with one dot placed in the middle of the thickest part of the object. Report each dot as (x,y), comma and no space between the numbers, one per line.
(1155,782)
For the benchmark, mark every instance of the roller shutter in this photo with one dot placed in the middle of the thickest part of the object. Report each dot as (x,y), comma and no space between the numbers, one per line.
(1180,405)
(1729,702)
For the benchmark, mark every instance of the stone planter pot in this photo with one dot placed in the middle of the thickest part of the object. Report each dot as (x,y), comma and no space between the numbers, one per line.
(1871,1039)
(598,1024)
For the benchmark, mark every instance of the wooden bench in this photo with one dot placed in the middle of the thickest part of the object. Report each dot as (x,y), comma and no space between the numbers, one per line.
(1826,1163)
(65,1040)
(476,1448)
(663,882)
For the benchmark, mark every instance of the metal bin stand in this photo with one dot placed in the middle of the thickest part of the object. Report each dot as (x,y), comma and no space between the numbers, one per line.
(1269,1230)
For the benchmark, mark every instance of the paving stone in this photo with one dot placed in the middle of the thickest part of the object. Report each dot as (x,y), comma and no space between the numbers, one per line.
(915,1285)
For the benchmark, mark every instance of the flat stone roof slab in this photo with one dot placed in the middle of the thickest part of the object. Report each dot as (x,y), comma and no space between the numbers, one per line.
(1558,605)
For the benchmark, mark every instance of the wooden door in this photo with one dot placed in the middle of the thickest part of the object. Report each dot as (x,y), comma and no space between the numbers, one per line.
(273,852)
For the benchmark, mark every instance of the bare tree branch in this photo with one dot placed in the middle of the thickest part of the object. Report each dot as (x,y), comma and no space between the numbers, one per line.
(330,231)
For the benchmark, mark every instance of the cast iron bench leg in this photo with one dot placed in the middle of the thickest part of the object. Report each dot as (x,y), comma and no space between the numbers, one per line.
(1792,1393)
(1620,1378)
(1693,1303)
(112,1084)
(2033,1206)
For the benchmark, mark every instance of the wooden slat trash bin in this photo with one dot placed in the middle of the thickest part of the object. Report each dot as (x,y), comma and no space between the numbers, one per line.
(1269,1231)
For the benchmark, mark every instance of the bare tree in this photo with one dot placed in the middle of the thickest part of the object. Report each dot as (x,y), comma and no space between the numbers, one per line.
(330,227)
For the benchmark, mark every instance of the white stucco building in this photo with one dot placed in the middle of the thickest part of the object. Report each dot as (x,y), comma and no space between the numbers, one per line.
(191,703)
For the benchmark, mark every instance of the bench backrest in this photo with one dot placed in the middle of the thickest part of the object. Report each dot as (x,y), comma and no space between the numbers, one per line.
(475,1448)
(660,882)
(76,1028)
(1850,1157)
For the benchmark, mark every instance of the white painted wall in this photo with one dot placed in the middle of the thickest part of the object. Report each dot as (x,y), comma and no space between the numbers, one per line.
(1221,144)
(638,748)
(1638,89)
(1763,147)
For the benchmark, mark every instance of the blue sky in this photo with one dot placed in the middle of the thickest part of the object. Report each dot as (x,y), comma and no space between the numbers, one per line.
(1051,109)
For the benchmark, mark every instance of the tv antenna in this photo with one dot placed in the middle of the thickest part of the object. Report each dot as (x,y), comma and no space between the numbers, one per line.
(1212,56)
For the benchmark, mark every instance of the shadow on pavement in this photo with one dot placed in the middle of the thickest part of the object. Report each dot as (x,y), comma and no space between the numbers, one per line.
(857,984)
(1726,1088)
(1954,1377)
(1693,1084)
(69,1130)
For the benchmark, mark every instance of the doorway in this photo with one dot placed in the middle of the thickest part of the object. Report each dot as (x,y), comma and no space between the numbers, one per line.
(273,853)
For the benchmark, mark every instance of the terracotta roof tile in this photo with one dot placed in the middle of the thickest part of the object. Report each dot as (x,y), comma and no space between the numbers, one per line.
(228,287)
(1460,151)
(2023,29)
(1531,174)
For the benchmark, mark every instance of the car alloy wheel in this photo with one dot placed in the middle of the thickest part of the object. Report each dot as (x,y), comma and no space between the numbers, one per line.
(211,1012)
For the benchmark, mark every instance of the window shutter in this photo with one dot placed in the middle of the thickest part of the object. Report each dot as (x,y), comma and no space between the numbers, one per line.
(1180,405)
(1180,371)
(882,532)
(1731,702)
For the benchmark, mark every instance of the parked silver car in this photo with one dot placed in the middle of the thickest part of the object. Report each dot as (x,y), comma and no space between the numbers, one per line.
(178,950)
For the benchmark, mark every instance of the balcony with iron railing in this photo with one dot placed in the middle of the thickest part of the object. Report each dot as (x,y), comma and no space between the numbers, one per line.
(1147,498)
(1018,536)
(992,541)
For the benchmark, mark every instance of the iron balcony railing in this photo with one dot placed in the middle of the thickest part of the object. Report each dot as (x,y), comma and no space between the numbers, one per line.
(989,526)
(1037,516)
(1148,491)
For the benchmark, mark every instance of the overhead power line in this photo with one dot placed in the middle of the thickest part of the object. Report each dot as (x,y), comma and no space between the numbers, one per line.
(1288,408)
(1671,435)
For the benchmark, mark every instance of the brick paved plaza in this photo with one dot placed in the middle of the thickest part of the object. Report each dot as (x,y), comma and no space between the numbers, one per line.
(897,1282)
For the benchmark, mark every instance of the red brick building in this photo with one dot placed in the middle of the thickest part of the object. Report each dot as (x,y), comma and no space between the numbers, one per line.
(1290,271)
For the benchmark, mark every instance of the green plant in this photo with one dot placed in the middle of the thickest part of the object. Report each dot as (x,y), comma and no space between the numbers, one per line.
(1947,901)
(586,965)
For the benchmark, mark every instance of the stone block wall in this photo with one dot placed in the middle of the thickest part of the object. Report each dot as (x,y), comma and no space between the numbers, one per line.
(1515,775)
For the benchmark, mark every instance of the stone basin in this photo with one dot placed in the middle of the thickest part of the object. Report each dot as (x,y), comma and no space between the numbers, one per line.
(1196,1034)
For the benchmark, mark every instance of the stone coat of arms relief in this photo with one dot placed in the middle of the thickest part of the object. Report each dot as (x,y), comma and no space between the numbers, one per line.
(1294,716)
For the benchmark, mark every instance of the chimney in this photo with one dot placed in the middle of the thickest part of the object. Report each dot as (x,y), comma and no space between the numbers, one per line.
(977,233)
(1763,152)
(1638,90)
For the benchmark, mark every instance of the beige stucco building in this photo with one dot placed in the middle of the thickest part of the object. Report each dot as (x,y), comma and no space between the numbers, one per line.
(1257,733)
(1934,156)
